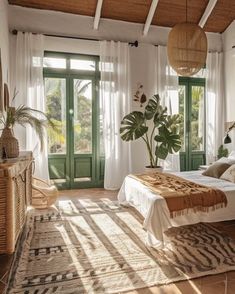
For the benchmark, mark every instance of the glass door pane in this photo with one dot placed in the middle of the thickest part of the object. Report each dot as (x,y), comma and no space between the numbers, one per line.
(82,64)
(55,92)
(82,116)
(197,118)
(192,131)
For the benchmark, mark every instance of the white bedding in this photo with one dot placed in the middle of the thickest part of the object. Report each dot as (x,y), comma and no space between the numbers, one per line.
(154,209)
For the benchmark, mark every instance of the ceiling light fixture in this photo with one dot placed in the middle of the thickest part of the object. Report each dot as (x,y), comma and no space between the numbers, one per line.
(187,48)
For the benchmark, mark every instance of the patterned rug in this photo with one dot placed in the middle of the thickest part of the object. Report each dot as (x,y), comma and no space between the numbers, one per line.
(99,247)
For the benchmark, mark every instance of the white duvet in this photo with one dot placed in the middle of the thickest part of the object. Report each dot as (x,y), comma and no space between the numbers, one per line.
(154,209)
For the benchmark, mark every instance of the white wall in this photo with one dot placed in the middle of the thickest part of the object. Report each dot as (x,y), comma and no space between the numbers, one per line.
(53,22)
(72,45)
(4,39)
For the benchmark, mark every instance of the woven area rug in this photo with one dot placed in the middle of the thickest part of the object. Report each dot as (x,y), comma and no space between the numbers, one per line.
(99,247)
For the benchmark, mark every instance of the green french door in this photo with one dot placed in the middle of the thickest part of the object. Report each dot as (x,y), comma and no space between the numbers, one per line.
(75,159)
(192,109)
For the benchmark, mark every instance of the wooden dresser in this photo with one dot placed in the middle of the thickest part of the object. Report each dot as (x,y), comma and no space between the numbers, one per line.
(15,195)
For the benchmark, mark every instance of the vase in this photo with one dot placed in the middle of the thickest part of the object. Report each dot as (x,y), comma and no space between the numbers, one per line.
(10,143)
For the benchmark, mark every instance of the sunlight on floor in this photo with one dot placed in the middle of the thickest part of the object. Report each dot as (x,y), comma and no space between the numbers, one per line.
(94,229)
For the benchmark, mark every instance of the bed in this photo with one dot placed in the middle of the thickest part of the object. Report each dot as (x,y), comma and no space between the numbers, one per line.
(154,209)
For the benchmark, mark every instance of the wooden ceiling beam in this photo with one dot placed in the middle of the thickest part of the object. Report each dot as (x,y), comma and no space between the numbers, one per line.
(210,6)
(97,14)
(167,13)
(150,16)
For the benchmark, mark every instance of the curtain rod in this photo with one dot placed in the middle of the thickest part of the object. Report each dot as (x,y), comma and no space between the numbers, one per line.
(132,44)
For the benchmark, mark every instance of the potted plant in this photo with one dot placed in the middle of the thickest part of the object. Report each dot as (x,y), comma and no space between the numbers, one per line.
(222,152)
(161,138)
(21,115)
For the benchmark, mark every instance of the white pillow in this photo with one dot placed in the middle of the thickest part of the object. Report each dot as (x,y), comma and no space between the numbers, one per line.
(232,154)
(226,160)
(229,174)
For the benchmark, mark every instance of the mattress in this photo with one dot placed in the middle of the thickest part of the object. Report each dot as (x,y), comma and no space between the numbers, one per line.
(154,209)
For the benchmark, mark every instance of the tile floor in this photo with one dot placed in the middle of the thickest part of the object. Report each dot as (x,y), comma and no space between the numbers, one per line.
(216,284)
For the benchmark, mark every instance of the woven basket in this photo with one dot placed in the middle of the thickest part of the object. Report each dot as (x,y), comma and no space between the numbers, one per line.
(10,143)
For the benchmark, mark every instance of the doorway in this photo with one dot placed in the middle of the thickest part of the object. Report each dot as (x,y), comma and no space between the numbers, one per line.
(192,131)
(72,102)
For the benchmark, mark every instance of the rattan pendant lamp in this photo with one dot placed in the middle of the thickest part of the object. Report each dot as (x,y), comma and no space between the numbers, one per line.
(187,48)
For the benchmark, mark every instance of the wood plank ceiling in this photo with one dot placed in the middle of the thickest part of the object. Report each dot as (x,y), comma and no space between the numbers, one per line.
(167,14)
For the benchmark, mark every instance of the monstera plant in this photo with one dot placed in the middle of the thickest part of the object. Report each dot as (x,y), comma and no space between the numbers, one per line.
(155,127)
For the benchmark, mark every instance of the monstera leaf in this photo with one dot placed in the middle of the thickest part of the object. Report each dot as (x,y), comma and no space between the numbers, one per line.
(151,107)
(156,111)
(160,116)
(172,122)
(133,126)
(168,142)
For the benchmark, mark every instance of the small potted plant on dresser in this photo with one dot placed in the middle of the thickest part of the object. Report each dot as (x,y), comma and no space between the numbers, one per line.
(22,115)
(161,138)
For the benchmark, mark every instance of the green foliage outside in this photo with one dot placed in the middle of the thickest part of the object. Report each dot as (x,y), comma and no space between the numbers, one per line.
(56,110)
(54,89)
(82,118)
(197,117)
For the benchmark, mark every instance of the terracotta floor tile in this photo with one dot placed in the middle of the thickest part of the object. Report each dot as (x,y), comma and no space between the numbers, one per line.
(213,279)
(192,286)
(231,287)
(96,193)
(231,276)
(218,288)
(5,262)
(2,287)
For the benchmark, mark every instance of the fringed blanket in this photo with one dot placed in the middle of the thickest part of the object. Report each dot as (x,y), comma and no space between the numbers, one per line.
(182,195)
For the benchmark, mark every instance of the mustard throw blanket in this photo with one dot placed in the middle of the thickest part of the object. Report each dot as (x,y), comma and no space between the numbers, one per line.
(182,195)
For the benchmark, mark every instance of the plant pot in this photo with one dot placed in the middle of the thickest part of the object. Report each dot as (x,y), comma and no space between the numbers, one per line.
(10,143)
(149,169)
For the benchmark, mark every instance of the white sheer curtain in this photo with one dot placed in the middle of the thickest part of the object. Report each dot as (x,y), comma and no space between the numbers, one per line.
(30,88)
(215,105)
(166,85)
(115,97)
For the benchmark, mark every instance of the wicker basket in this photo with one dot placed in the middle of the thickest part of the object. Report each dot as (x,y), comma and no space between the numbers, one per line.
(10,143)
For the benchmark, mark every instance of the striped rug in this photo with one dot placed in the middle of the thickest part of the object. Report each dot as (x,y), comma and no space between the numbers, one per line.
(99,247)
